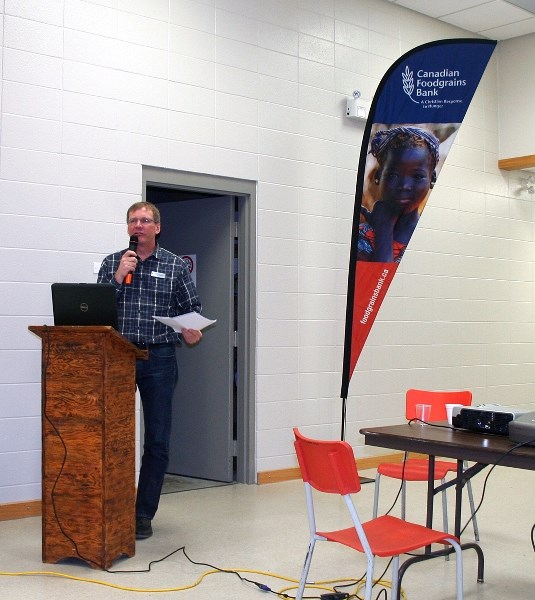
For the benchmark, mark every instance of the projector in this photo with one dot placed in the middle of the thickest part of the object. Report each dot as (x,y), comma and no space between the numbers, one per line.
(487,418)
(522,430)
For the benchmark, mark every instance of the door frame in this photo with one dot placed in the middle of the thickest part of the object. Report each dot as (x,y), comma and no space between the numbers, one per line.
(245,191)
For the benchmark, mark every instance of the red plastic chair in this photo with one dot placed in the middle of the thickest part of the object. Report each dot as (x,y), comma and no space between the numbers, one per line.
(416,469)
(329,466)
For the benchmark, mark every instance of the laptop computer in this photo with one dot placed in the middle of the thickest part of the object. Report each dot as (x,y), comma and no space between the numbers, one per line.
(84,304)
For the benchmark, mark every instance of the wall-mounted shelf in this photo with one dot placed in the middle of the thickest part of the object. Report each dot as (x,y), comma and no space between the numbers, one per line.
(518,162)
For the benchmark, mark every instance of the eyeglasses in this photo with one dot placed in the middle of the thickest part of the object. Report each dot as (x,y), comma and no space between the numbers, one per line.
(143,221)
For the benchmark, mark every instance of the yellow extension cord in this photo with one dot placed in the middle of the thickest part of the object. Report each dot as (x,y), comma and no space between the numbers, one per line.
(320,585)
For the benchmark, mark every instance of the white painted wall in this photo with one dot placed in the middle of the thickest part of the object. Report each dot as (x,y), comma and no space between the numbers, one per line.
(516,97)
(91,90)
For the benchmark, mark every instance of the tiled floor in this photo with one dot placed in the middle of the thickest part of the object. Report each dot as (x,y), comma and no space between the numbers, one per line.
(262,530)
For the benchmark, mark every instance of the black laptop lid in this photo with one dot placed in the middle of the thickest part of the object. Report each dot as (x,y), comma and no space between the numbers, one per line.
(84,304)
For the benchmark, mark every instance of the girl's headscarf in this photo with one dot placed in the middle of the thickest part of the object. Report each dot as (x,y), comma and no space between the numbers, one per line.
(403,137)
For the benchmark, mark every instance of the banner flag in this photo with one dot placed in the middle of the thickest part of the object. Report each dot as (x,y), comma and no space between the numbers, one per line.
(414,117)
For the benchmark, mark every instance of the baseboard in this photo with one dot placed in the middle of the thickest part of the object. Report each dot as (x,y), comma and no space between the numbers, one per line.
(370,462)
(20,510)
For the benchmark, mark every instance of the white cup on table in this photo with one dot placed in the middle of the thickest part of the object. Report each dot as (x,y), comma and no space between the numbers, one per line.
(449,411)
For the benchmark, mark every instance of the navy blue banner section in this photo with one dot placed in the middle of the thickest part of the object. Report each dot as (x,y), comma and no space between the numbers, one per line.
(434,83)
(414,117)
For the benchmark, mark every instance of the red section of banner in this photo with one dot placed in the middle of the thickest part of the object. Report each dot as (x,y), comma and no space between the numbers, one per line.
(373,281)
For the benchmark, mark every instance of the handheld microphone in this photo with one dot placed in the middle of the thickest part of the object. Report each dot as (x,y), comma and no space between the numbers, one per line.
(131,246)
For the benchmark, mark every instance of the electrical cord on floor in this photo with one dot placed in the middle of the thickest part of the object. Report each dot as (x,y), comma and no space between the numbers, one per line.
(334,593)
(236,572)
(213,570)
(360,583)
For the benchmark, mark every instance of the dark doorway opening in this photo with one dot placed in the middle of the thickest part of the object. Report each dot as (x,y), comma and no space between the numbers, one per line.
(212,218)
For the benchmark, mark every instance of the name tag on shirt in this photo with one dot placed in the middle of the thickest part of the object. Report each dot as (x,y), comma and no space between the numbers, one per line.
(156,274)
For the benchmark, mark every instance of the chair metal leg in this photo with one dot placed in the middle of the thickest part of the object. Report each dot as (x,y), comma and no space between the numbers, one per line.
(395,577)
(472,506)
(376,495)
(306,568)
(403,499)
(459,568)
(369,578)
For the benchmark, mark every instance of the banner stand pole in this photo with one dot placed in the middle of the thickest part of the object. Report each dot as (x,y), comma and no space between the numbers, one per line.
(344,407)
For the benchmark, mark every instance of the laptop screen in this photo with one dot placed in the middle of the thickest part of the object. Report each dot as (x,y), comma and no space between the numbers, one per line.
(84,304)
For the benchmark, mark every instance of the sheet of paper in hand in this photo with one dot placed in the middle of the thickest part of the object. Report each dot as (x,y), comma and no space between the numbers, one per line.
(191,320)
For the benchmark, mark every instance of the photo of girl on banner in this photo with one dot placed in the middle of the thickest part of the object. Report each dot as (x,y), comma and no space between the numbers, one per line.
(402,167)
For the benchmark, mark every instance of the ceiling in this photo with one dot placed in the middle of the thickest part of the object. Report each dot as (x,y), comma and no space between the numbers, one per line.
(494,19)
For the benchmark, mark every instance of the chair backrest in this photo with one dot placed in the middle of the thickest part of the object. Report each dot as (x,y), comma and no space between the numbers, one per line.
(437,400)
(328,466)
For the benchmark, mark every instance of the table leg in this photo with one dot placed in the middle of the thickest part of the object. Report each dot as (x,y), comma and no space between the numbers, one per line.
(430,496)
(430,491)
(458,498)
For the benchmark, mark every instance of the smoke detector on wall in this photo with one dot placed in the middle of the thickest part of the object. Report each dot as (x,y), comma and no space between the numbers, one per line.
(357,108)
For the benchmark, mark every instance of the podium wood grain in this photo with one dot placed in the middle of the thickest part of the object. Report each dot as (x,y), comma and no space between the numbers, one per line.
(88,441)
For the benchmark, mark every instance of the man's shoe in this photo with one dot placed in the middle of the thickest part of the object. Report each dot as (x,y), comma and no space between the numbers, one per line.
(143,528)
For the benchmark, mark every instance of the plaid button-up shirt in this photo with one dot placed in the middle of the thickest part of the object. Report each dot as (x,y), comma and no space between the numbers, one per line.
(161,286)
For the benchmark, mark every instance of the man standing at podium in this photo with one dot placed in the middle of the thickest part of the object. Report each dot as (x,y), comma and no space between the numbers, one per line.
(151,281)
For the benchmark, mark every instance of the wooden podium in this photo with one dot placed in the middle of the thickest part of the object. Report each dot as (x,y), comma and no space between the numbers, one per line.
(88,444)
